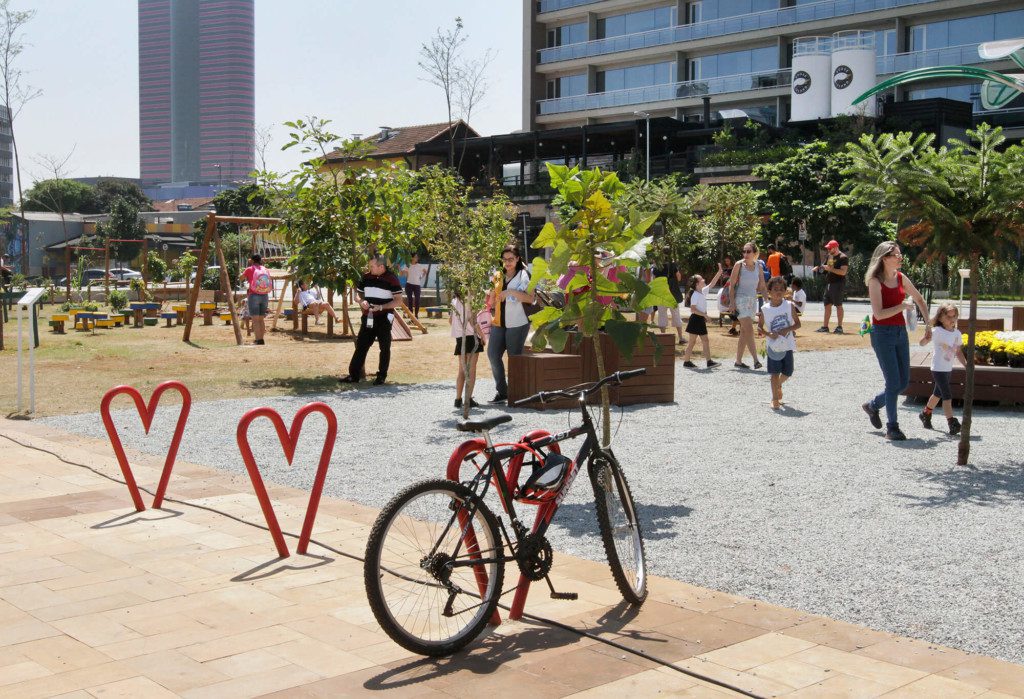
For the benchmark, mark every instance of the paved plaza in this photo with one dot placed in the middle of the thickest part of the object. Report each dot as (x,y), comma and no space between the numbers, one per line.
(97,600)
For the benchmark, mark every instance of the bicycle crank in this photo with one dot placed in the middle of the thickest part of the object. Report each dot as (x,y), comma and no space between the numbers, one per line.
(535,557)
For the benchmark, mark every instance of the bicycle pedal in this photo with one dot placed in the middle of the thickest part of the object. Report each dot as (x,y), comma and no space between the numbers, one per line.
(564,595)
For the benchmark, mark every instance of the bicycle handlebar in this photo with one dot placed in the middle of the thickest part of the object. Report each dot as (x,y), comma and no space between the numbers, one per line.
(581,390)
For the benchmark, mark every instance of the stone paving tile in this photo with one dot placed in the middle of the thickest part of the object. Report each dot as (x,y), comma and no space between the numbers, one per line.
(99,601)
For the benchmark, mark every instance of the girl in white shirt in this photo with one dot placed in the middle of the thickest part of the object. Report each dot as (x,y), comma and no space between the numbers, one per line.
(697,325)
(466,332)
(947,344)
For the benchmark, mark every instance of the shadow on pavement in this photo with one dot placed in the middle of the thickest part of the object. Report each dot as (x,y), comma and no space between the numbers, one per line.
(133,517)
(261,571)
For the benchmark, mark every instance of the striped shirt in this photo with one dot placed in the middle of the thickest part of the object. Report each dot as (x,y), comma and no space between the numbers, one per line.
(379,289)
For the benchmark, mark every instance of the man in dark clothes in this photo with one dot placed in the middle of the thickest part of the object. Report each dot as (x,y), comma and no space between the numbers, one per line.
(835,269)
(381,294)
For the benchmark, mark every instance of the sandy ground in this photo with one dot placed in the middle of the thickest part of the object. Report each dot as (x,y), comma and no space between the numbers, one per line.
(74,370)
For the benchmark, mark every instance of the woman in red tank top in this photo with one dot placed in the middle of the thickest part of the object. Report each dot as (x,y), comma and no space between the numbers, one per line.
(888,290)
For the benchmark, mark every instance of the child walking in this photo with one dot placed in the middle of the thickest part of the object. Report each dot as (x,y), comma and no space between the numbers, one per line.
(697,325)
(782,320)
(947,343)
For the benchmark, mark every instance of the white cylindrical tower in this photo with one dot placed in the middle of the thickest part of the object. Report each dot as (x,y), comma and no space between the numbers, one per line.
(812,70)
(853,71)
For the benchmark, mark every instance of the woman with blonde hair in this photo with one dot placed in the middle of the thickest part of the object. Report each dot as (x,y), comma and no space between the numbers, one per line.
(745,282)
(888,290)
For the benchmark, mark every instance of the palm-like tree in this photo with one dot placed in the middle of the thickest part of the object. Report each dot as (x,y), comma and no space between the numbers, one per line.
(965,199)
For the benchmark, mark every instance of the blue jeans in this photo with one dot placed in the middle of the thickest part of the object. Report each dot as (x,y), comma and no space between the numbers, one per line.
(892,347)
(503,340)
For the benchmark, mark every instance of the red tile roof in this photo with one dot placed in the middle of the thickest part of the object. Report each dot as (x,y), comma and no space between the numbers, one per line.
(404,139)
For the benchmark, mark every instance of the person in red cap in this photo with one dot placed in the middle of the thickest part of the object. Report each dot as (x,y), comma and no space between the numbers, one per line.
(835,267)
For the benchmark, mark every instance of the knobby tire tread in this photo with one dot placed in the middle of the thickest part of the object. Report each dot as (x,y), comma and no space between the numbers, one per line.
(604,524)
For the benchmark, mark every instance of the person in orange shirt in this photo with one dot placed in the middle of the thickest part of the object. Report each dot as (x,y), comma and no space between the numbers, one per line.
(774,260)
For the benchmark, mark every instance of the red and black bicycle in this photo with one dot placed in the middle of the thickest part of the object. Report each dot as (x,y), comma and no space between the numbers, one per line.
(435,559)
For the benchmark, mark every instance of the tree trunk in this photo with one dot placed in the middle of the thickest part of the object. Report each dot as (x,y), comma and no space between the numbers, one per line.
(964,451)
(606,410)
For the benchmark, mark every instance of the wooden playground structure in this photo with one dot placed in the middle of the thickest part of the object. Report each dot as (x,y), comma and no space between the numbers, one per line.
(263,241)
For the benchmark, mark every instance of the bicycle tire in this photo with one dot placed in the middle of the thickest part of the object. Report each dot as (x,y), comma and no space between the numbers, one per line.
(622,538)
(406,532)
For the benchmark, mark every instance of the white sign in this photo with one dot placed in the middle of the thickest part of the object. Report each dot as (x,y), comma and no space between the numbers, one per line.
(802,231)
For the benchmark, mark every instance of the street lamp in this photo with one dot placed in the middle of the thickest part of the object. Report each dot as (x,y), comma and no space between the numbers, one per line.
(220,173)
(647,117)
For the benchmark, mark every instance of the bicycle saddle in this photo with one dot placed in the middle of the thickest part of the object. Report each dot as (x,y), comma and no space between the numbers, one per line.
(483,425)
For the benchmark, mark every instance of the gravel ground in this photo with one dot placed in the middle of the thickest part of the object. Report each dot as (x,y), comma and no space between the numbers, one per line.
(808,508)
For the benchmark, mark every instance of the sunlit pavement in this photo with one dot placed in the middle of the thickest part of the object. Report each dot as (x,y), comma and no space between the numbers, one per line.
(98,600)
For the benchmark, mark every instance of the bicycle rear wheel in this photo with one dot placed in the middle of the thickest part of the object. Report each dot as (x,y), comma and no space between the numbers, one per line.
(620,528)
(420,594)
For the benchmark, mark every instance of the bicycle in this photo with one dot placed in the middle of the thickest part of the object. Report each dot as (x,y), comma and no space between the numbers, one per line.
(435,559)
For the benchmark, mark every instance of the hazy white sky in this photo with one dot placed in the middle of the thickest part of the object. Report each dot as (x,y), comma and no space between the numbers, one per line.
(352,61)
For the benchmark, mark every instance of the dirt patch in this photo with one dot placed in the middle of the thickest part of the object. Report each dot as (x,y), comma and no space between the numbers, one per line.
(74,370)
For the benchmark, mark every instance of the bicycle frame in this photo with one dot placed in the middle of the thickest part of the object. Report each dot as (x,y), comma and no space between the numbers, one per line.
(492,472)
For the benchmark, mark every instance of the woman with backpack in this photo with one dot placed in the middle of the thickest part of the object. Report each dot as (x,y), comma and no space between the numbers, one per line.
(260,284)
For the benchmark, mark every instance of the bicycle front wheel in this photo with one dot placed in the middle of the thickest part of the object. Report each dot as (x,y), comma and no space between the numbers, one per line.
(422,586)
(620,528)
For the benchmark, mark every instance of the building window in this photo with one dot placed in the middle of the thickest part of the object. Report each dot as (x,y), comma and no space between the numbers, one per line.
(636,76)
(567,34)
(695,12)
(964,93)
(966,30)
(885,42)
(732,8)
(733,63)
(567,86)
(636,22)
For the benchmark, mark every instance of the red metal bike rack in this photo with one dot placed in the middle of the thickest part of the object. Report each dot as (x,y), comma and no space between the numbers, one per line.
(146,412)
(544,514)
(289,440)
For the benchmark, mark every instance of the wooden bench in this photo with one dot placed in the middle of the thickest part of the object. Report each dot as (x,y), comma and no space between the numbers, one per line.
(179,311)
(226,317)
(105,323)
(57,323)
(170,317)
(993,383)
(435,311)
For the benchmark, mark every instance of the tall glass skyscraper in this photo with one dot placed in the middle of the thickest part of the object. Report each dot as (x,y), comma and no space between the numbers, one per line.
(197,103)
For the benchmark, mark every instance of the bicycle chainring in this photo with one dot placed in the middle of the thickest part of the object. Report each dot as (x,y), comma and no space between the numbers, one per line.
(535,557)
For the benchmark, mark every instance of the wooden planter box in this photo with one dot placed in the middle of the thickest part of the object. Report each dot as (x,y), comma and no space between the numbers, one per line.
(993,383)
(531,372)
(1018,318)
(982,324)
(656,386)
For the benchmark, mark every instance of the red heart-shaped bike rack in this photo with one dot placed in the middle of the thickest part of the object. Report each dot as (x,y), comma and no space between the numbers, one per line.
(146,412)
(289,440)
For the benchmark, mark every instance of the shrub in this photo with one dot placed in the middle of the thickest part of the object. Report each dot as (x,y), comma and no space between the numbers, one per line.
(117,299)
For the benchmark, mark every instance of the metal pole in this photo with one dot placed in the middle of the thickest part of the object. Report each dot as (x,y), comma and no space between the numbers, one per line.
(19,358)
(526,243)
(31,366)
(648,147)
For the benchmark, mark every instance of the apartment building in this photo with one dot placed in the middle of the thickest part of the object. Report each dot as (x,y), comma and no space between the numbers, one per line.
(589,62)
(6,158)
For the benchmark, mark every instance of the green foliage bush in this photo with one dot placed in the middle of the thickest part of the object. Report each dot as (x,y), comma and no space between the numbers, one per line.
(156,266)
(117,299)
(758,156)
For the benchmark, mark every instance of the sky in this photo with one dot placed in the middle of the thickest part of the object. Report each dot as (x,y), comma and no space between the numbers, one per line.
(351,61)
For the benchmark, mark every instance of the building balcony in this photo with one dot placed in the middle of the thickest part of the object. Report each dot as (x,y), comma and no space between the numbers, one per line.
(964,55)
(756,21)
(690,89)
(554,5)
(884,66)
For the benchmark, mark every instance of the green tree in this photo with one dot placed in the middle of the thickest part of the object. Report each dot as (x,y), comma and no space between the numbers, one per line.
(109,189)
(336,218)
(964,200)
(156,266)
(248,200)
(124,224)
(467,238)
(61,196)
(729,218)
(595,236)
(808,187)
